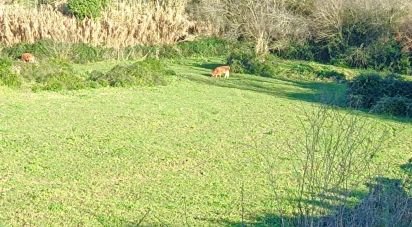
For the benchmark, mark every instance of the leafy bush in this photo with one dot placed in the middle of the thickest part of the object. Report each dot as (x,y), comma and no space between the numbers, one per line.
(357,57)
(7,76)
(368,88)
(40,49)
(84,53)
(61,81)
(54,75)
(331,74)
(300,51)
(397,106)
(243,62)
(144,73)
(205,47)
(86,8)
(97,79)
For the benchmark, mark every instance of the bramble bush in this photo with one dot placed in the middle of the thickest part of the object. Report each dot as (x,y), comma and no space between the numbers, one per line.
(143,73)
(86,8)
(389,94)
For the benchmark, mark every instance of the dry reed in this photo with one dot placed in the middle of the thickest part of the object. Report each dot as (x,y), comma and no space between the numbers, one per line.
(122,24)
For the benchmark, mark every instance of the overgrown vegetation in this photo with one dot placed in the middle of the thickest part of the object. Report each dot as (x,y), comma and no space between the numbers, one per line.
(86,8)
(144,73)
(390,94)
(85,53)
(363,34)
(8,77)
(270,66)
(56,75)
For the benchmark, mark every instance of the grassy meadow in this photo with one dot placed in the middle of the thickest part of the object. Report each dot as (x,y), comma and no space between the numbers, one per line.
(118,121)
(198,151)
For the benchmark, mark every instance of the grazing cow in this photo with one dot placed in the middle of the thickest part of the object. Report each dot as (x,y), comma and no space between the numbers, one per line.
(221,70)
(27,57)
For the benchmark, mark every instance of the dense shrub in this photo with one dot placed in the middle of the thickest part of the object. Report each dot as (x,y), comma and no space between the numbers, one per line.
(331,75)
(7,76)
(397,106)
(243,62)
(52,74)
(40,49)
(295,50)
(60,81)
(144,73)
(206,47)
(86,8)
(367,89)
(84,53)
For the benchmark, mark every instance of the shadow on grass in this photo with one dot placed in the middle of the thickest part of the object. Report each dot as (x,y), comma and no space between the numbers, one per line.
(317,92)
(209,66)
(388,203)
(329,93)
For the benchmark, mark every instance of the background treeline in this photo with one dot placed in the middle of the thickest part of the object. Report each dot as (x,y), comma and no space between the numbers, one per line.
(357,33)
(373,34)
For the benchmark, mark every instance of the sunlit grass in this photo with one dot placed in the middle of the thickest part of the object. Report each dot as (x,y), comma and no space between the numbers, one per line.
(196,152)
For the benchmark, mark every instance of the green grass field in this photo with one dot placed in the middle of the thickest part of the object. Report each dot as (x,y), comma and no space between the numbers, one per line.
(196,152)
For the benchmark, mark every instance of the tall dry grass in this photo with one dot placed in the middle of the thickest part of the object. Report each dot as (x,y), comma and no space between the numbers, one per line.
(124,23)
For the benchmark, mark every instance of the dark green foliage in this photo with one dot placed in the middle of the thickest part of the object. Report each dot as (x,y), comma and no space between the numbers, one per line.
(40,49)
(331,74)
(302,69)
(84,53)
(366,40)
(144,73)
(60,81)
(369,89)
(205,47)
(357,57)
(397,106)
(97,79)
(58,74)
(300,51)
(7,76)
(86,8)
(388,55)
(243,62)
(53,74)
(270,66)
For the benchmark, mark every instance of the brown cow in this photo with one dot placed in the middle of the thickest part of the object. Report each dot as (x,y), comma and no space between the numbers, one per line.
(221,70)
(27,57)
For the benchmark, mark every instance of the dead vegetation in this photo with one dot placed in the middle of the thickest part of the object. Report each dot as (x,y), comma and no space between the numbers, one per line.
(123,24)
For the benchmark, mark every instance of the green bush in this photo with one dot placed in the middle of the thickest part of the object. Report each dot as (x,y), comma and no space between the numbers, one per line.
(61,81)
(357,57)
(84,53)
(205,47)
(86,8)
(367,89)
(40,72)
(97,79)
(40,49)
(331,74)
(243,62)
(7,76)
(397,106)
(300,51)
(54,75)
(144,73)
